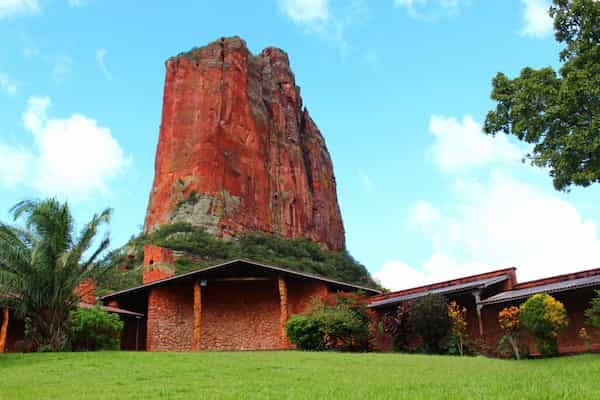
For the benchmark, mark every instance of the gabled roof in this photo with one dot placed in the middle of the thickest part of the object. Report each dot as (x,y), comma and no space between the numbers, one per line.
(451,289)
(555,287)
(229,264)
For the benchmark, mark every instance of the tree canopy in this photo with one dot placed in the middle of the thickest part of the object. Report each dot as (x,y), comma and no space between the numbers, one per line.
(42,264)
(558,113)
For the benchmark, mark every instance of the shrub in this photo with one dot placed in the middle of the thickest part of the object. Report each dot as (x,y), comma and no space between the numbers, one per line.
(307,333)
(508,318)
(458,327)
(592,314)
(545,317)
(338,322)
(587,339)
(429,318)
(396,324)
(94,329)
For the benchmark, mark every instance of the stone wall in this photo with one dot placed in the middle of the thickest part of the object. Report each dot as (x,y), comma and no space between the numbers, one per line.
(170,318)
(236,315)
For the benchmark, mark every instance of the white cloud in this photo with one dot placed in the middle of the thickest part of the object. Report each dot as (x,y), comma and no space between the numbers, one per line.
(365,180)
(100,54)
(460,145)
(72,156)
(496,221)
(7,85)
(538,22)
(431,9)
(305,11)
(9,8)
(318,18)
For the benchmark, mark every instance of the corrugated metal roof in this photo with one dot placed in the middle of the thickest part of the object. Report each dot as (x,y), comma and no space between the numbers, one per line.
(548,288)
(478,284)
(199,272)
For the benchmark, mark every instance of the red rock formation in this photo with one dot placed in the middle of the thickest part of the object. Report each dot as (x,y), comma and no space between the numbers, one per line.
(237,152)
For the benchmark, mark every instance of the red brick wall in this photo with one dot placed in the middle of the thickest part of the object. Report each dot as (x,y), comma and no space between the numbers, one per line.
(86,290)
(302,292)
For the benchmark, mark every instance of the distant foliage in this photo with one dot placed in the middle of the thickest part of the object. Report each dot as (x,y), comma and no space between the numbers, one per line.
(592,314)
(429,318)
(339,322)
(458,327)
(93,329)
(545,317)
(299,254)
(508,319)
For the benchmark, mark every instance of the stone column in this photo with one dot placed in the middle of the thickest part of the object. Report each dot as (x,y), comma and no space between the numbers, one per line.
(197,336)
(283,310)
(3,329)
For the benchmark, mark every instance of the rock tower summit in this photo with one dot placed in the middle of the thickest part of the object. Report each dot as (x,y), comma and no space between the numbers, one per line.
(238,152)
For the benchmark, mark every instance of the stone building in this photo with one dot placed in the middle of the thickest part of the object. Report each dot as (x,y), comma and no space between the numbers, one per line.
(238,305)
(484,295)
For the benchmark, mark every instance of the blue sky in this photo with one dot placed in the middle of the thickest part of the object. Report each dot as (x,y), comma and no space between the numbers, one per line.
(399,88)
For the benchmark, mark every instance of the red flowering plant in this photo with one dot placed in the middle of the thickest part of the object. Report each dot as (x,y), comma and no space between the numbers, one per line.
(509,321)
(458,327)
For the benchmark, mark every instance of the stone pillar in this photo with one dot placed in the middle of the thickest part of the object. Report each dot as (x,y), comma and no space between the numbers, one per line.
(283,310)
(197,335)
(478,307)
(3,329)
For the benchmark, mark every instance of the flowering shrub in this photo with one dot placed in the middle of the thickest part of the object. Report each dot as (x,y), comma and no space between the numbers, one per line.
(458,328)
(545,317)
(508,318)
(396,325)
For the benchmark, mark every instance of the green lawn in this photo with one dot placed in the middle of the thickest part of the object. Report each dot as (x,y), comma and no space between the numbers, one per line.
(292,375)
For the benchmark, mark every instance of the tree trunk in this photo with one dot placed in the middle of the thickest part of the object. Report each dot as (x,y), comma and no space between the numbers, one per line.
(4,330)
(515,347)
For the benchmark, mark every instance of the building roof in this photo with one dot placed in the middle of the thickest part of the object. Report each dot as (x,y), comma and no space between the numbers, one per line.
(554,287)
(451,289)
(224,266)
(110,309)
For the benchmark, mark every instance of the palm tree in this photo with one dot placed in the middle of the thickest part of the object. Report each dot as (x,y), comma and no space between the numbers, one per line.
(43,262)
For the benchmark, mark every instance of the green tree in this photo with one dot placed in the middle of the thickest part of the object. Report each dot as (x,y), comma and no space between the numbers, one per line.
(428,316)
(94,329)
(42,263)
(545,317)
(592,314)
(558,113)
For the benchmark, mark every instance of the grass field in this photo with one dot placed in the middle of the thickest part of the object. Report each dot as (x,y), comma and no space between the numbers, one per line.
(292,375)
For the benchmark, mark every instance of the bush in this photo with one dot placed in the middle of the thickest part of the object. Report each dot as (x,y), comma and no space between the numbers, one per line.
(338,322)
(458,328)
(429,318)
(396,324)
(306,332)
(592,314)
(545,317)
(94,329)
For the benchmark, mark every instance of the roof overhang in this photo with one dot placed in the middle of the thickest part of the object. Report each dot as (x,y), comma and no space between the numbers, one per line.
(557,287)
(448,290)
(208,272)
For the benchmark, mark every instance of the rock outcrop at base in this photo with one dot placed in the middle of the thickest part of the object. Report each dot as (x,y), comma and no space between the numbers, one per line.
(238,152)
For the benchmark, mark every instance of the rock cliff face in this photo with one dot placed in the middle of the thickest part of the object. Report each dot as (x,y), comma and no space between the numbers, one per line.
(238,152)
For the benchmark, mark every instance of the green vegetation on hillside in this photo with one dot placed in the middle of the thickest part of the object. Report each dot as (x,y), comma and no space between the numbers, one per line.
(297,254)
(292,375)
